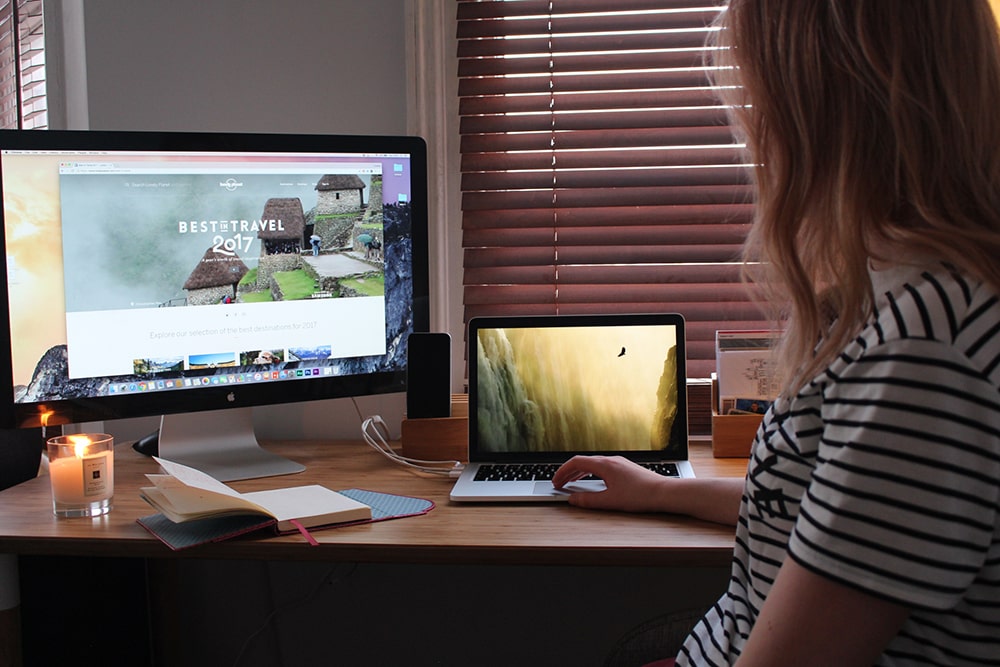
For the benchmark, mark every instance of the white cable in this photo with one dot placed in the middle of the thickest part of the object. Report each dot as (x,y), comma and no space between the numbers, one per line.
(375,432)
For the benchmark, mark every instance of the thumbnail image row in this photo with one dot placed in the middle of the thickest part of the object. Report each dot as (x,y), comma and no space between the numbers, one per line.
(196,362)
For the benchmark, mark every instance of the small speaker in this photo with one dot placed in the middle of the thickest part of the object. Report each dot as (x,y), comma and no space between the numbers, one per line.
(428,375)
(20,455)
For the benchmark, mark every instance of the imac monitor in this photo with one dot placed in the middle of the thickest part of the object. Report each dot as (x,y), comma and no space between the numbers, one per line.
(195,275)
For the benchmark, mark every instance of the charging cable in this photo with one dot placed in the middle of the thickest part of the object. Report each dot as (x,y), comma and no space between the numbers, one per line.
(376,433)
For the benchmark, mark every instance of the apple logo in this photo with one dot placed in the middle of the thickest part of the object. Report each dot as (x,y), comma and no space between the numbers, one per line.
(231,397)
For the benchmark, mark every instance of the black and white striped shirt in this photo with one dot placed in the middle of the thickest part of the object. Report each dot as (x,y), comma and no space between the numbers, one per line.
(884,474)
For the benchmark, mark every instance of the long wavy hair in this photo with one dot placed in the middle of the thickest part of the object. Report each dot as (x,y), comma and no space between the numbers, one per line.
(874,130)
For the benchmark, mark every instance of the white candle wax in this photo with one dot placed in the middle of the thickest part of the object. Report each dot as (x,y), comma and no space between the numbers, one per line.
(82,477)
(73,478)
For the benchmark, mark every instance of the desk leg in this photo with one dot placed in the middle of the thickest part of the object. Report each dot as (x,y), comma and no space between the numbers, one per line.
(10,612)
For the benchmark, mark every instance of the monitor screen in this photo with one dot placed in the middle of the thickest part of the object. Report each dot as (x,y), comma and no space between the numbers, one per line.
(152,273)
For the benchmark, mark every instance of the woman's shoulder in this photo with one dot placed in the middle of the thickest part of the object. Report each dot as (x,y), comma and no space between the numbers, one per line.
(934,303)
(926,321)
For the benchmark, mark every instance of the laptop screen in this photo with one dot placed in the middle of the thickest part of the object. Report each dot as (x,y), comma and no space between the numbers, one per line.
(555,385)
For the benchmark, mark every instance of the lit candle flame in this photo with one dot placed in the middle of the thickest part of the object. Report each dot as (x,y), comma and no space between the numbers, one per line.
(80,444)
(44,419)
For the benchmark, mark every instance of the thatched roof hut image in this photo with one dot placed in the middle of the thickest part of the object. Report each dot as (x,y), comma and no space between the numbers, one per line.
(288,236)
(214,279)
(339,193)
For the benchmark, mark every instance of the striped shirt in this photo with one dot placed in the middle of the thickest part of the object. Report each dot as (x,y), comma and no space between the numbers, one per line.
(883,474)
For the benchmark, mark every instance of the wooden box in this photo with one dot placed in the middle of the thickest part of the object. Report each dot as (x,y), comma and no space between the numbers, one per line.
(732,435)
(439,438)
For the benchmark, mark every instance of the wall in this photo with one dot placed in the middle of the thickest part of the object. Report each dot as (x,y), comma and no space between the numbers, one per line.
(326,66)
(333,66)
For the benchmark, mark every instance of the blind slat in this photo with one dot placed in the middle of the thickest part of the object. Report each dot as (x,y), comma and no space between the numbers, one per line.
(620,138)
(505,265)
(492,246)
(500,228)
(572,22)
(574,295)
(732,318)
(599,181)
(485,48)
(598,254)
(595,62)
(499,8)
(607,159)
(687,195)
(557,102)
(612,276)
(604,121)
(616,81)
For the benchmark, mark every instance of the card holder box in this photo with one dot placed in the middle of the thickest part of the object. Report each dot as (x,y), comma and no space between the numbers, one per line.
(732,435)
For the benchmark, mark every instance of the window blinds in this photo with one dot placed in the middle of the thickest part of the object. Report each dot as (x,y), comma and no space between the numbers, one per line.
(9,92)
(599,173)
(31,52)
(23,99)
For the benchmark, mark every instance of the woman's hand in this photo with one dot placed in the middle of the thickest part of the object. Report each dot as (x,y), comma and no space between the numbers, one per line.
(632,488)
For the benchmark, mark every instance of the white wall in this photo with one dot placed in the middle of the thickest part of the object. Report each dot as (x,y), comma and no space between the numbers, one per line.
(334,66)
(329,66)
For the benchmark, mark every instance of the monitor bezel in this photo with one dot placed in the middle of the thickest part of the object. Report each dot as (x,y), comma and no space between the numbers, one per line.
(206,398)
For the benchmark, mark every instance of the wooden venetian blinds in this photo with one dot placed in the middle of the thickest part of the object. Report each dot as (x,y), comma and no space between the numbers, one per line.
(599,173)
(23,99)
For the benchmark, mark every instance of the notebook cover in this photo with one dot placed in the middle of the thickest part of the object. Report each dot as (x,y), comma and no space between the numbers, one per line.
(179,536)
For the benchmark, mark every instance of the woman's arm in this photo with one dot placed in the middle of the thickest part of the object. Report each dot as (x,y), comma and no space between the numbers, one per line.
(808,619)
(632,488)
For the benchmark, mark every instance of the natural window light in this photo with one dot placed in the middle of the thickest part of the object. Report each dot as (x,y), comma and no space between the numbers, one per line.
(599,171)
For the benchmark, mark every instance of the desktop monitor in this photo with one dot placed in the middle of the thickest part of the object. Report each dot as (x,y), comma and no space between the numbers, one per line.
(196,275)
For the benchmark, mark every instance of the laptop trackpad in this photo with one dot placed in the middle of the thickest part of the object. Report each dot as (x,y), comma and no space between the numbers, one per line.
(546,488)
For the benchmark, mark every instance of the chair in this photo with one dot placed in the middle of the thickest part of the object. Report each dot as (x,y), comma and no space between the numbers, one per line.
(655,639)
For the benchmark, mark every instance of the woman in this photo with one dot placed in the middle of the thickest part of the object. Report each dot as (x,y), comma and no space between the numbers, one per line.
(867,529)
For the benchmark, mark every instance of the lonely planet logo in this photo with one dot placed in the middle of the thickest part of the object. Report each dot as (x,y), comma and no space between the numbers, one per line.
(231,184)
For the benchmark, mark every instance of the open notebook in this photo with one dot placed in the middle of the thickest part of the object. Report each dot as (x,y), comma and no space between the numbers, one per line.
(544,388)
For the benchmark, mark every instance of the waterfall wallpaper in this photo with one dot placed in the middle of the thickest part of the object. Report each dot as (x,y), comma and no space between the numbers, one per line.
(594,389)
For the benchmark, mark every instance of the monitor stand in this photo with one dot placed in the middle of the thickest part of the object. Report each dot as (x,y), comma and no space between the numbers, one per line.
(220,443)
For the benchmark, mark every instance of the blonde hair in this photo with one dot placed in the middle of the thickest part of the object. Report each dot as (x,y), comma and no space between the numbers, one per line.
(874,128)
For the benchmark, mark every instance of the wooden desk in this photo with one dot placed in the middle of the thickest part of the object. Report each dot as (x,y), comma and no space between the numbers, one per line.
(571,581)
(537,534)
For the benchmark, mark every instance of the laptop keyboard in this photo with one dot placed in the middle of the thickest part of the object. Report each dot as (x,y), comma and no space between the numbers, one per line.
(527,472)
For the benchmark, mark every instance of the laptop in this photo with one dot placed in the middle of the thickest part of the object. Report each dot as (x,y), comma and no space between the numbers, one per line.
(545,388)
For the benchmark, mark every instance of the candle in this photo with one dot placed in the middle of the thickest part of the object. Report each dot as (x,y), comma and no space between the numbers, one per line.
(82,472)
